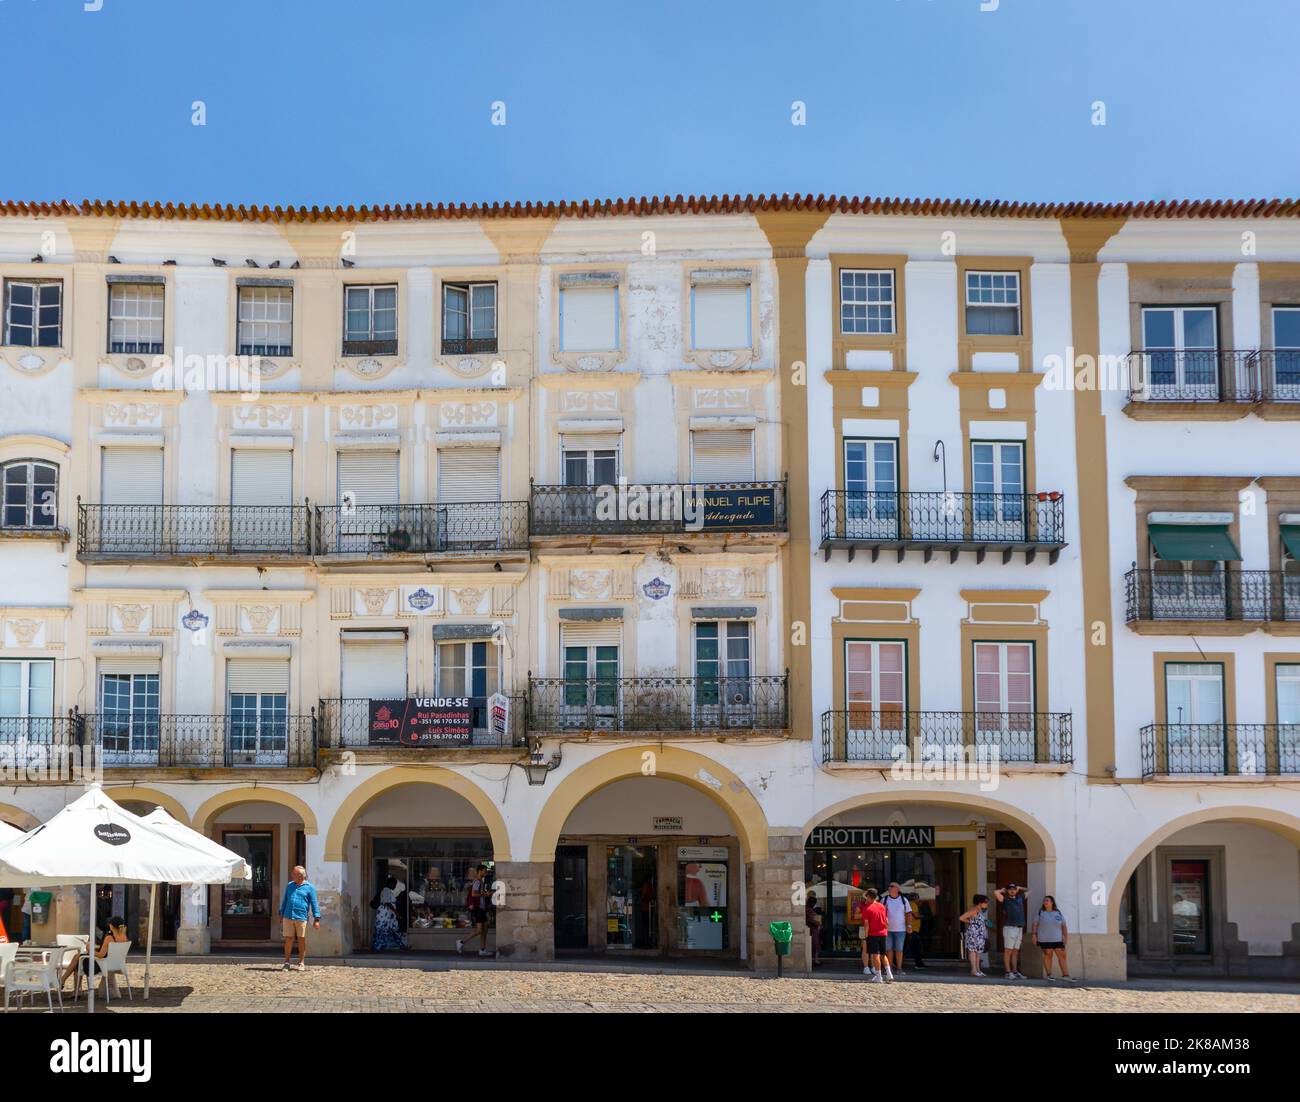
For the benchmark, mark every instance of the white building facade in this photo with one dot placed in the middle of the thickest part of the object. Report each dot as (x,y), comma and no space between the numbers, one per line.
(672,559)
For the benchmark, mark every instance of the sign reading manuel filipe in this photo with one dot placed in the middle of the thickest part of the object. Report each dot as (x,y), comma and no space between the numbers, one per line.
(747,507)
(421,721)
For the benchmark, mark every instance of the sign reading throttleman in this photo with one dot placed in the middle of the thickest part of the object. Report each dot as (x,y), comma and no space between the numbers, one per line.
(872,837)
(421,721)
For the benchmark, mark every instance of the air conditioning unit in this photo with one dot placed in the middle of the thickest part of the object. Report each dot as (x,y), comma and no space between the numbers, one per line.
(399,539)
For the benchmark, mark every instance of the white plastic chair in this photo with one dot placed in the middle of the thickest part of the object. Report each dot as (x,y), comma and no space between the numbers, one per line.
(110,967)
(73,945)
(30,975)
(7,952)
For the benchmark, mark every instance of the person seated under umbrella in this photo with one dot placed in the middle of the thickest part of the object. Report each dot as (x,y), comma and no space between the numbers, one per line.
(116,932)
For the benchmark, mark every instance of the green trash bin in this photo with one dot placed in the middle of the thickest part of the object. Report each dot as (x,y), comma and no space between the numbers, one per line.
(782,934)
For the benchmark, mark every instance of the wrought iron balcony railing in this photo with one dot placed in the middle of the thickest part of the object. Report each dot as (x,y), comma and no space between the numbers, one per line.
(1279,375)
(654,508)
(443,528)
(469,346)
(1220,749)
(202,741)
(41,731)
(943,520)
(1193,375)
(345,723)
(1215,595)
(866,735)
(701,705)
(106,532)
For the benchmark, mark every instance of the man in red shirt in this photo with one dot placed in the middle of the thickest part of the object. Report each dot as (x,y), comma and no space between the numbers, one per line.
(875,926)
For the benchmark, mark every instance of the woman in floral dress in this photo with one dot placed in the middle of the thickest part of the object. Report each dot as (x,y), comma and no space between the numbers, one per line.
(388,934)
(977,933)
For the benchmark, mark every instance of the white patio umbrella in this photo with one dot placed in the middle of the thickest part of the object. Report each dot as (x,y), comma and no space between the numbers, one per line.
(239,869)
(94,841)
(8,833)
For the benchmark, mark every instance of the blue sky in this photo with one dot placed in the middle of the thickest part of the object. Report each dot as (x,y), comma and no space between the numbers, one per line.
(328,101)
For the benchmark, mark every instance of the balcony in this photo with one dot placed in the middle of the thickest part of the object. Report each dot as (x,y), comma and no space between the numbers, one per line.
(1188,380)
(1221,750)
(345,724)
(1212,596)
(273,533)
(21,733)
(202,741)
(943,521)
(115,533)
(715,508)
(709,706)
(1279,375)
(866,736)
(449,528)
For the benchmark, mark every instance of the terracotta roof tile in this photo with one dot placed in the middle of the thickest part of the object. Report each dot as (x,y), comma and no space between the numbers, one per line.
(665,204)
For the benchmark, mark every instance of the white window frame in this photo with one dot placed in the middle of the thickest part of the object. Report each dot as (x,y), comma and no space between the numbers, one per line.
(36,327)
(372,336)
(867,303)
(254,308)
(590,454)
(749,318)
(25,687)
(618,318)
(471,311)
(48,508)
(992,290)
(127,318)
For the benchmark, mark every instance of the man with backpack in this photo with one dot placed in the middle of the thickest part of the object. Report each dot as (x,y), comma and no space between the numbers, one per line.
(477,895)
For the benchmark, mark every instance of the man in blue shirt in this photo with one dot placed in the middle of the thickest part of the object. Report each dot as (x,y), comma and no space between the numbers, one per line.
(298,905)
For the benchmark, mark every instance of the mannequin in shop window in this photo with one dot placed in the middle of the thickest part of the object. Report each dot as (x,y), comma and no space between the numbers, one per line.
(388,933)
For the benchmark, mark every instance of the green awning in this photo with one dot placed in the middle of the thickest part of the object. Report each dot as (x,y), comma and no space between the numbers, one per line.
(1194,542)
(1291,537)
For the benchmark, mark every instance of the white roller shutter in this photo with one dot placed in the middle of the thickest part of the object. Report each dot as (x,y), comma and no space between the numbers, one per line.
(469,474)
(594,633)
(590,441)
(257,675)
(588,319)
(127,664)
(375,670)
(720,317)
(722,455)
(370,477)
(132,476)
(261,476)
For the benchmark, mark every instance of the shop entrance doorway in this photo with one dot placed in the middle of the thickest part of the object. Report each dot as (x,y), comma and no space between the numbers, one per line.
(934,876)
(632,917)
(571,897)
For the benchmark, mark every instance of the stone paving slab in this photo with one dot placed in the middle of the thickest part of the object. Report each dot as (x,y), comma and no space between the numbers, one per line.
(226,986)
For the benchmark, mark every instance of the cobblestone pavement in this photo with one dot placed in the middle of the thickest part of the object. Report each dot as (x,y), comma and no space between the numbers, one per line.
(217,986)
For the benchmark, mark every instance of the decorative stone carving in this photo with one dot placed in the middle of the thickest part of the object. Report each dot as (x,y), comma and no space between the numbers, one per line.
(469,598)
(133,414)
(367,417)
(715,398)
(465,414)
(131,617)
(367,369)
(586,584)
(722,582)
(260,617)
(263,417)
(589,363)
(468,367)
(723,361)
(24,630)
(591,401)
(374,599)
(30,361)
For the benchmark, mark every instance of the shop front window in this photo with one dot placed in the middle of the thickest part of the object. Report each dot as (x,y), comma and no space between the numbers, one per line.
(632,918)
(246,903)
(1189,885)
(433,876)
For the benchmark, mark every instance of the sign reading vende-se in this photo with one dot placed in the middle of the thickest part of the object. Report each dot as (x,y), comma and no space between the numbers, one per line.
(421,721)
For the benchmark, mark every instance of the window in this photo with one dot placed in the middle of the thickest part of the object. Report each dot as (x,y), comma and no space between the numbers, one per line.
(719,456)
(469,318)
(135,317)
(1194,715)
(30,494)
(993,304)
(1180,343)
(469,669)
(875,696)
(720,316)
(26,689)
(265,321)
(998,485)
(590,652)
(1005,698)
(34,313)
(1288,716)
(590,462)
(257,709)
(722,663)
(589,320)
(129,717)
(1286,355)
(866,301)
(370,321)
(871,489)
